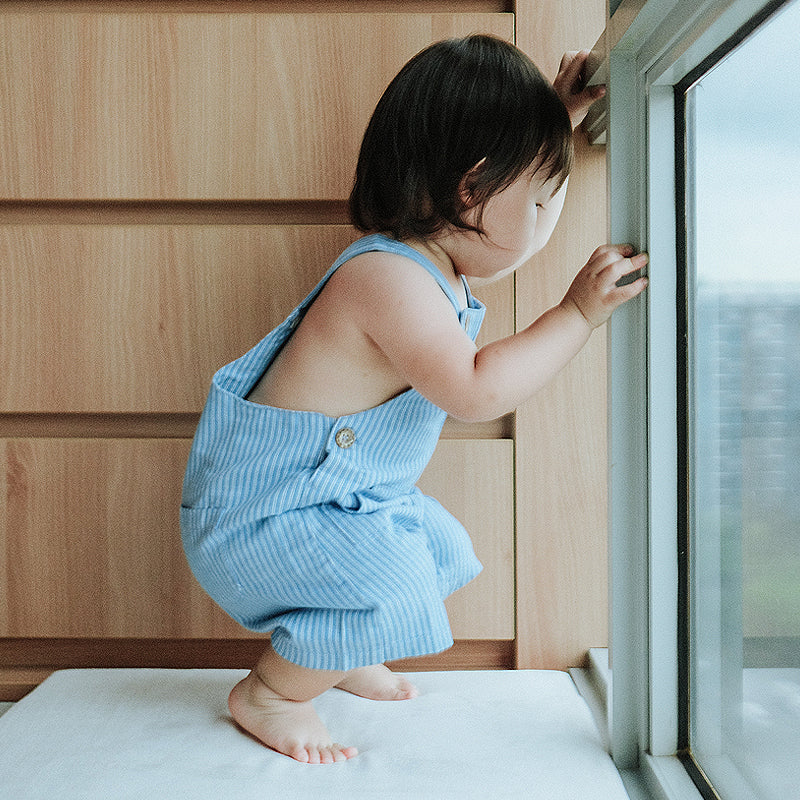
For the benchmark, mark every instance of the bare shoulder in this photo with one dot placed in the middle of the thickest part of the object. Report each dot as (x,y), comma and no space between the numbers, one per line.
(383,320)
(378,268)
(377,283)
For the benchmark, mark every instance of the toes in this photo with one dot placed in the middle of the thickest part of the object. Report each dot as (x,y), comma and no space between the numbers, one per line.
(336,754)
(323,755)
(343,753)
(378,683)
(300,754)
(403,690)
(407,690)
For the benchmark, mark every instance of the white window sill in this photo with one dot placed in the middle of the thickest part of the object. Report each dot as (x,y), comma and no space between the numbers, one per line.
(657,778)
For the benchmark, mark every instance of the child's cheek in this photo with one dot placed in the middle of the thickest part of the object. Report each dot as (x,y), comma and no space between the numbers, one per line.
(511,222)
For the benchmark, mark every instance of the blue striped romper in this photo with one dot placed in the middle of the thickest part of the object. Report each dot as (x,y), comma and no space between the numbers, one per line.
(311,526)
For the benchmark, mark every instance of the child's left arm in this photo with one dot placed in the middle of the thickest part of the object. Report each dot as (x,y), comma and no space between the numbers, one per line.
(570,84)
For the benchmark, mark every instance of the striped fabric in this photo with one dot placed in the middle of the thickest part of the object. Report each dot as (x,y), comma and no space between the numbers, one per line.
(311,526)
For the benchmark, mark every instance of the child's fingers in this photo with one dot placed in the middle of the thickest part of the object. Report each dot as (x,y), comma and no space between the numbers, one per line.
(616,265)
(624,249)
(607,281)
(636,261)
(568,68)
(625,267)
(626,275)
(572,64)
(567,59)
(608,254)
(627,291)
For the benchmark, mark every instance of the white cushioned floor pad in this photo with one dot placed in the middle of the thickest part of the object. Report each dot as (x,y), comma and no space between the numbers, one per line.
(114,734)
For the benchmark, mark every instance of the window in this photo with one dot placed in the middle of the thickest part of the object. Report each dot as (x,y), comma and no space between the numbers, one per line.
(704,160)
(742,446)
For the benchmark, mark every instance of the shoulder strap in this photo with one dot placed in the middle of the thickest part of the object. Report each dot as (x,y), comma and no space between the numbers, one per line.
(240,376)
(379,242)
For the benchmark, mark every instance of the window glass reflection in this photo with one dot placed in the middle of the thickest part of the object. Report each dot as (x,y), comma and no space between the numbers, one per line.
(744,192)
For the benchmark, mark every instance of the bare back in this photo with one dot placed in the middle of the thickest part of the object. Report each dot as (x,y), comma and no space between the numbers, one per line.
(331,364)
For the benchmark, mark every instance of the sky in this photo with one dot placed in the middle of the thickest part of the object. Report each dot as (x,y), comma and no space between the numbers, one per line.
(748,160)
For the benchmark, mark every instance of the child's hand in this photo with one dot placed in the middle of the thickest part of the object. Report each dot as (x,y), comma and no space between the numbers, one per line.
(570,84)
(595,292)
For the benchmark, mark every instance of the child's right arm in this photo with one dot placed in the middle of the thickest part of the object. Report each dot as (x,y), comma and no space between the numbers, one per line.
(532,357)
(418,333)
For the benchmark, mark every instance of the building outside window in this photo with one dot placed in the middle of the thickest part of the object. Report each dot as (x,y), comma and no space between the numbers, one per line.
(743,435)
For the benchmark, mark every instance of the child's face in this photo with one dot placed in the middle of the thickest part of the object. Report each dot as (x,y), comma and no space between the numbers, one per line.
(518,222)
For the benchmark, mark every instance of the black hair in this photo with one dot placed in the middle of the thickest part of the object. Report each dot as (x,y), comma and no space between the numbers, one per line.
(454,104)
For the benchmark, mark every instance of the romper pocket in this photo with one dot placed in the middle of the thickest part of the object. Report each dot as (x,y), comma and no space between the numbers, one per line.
(285,560)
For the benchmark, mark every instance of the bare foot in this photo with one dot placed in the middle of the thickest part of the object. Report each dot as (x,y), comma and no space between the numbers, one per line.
(378,682)
(291,727)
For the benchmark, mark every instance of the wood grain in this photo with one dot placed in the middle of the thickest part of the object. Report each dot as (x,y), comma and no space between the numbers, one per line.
(41,657)
(182,426)
(90,542)
(172,182)
(129,319)
(263,6)
(561,467)
(482,499)
(198,106)
(92,545)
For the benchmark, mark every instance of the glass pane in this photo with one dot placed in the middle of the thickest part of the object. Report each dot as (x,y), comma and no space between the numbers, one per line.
(743,188)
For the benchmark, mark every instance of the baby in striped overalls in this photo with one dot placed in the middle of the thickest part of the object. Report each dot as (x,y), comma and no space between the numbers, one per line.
(300,515)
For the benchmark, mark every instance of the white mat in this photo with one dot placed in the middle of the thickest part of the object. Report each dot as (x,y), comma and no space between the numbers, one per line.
(114,734)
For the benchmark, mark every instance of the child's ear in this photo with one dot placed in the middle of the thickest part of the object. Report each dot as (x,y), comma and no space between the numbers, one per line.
(466,188)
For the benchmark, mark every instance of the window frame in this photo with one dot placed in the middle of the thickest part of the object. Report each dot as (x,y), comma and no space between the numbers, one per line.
(649,54)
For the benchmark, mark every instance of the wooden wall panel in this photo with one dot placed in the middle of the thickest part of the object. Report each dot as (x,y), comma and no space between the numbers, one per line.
(91,544)
(561,462)
(138,318)
(90,533)
(193,106)
(171,185)
(482,499)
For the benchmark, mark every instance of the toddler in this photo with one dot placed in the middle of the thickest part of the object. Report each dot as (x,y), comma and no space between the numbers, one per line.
(300,514)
